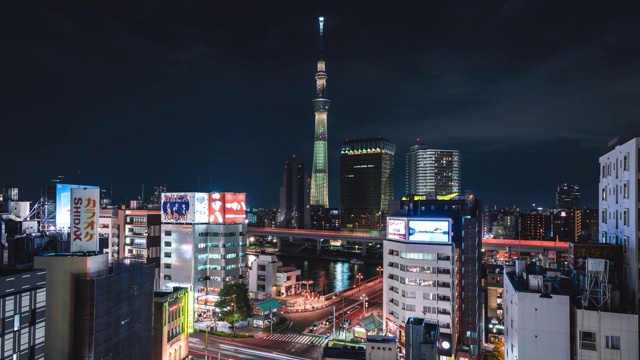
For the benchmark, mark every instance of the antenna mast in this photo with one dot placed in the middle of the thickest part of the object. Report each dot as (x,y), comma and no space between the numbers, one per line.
(321,23)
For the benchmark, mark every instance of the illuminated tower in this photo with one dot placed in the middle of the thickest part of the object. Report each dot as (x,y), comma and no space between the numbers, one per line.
(320,170)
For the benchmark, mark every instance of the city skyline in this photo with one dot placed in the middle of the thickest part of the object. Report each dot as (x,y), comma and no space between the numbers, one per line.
(216,97)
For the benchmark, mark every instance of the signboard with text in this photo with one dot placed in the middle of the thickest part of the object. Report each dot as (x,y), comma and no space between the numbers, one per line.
(84,209)
(227,208)
(396,228)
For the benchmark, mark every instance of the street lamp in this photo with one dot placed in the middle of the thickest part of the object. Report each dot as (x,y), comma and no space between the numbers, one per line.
(364,299)
(359,276)
(307,282)
(379,271)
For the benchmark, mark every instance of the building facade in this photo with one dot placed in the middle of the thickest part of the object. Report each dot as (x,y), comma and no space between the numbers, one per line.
(433,271)
(619,203)
(536,317)
(170,324)
(203,244)
(366,182)
(320,168)
(433,171)
(292,195)
(141,237)
(22,311)
(87,299)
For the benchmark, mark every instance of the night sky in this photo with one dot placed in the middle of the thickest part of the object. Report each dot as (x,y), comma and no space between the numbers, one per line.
(208,95)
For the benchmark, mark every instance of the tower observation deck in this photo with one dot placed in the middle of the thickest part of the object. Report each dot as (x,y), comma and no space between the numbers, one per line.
(320,169)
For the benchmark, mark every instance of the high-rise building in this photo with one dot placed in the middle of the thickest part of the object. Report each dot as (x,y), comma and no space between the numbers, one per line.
(366,182)
(292,195)
(568,197)
(619,206)
(320,170)
(432,258)
(433,171)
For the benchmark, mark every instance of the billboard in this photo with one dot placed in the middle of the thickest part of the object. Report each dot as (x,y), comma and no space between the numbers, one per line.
(430,230)
(235,210)
(201,208)
(579,253)
(178,207)
(84,205)
(396,228)
(63,203)
(227,208)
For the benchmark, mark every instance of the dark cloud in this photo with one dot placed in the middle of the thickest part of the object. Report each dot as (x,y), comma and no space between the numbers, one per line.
(200,94)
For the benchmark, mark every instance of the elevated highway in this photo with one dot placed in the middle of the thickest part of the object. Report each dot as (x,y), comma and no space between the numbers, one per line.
(379,237)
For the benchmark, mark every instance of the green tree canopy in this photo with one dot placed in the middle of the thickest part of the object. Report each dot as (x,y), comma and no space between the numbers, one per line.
(237,293)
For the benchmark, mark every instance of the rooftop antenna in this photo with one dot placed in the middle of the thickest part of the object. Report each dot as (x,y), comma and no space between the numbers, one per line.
(321,23)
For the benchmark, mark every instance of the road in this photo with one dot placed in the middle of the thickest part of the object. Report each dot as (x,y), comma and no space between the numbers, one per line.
(295,341)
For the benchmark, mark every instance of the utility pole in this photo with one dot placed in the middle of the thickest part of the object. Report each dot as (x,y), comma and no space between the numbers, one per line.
(334,320)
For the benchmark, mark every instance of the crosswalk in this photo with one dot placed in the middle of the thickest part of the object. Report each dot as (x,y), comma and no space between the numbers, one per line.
(301,339)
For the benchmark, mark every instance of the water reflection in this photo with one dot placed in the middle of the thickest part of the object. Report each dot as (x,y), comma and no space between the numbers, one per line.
(328,276)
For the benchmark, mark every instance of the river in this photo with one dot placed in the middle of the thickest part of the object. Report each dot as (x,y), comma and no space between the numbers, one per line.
(328,274)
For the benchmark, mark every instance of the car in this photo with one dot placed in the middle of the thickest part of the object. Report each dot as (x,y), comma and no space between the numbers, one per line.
(314,326)
(329,320)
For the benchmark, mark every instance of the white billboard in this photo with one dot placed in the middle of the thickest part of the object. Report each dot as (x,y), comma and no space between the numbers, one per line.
(396,229)
(63,202)
(85,219)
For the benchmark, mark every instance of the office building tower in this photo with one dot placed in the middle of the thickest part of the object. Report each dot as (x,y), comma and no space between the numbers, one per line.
(434,171)
(23,300)
(432,258)
(619,206)
(87,300)
(292,195)
(568,197)
(203,244)
(366,182)
(170,317)
(320,171)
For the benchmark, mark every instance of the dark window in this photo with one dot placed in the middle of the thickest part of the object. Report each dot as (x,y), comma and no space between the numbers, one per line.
(167,266)
(167,233)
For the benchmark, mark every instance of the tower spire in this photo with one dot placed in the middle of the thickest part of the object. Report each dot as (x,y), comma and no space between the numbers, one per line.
(320,167)
(321,45)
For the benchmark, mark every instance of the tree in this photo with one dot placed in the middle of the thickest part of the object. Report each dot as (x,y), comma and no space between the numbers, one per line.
(498,350)
(238,294)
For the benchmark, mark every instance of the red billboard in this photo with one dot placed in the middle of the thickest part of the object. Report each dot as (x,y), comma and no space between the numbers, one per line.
(227,208)
(235,210)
